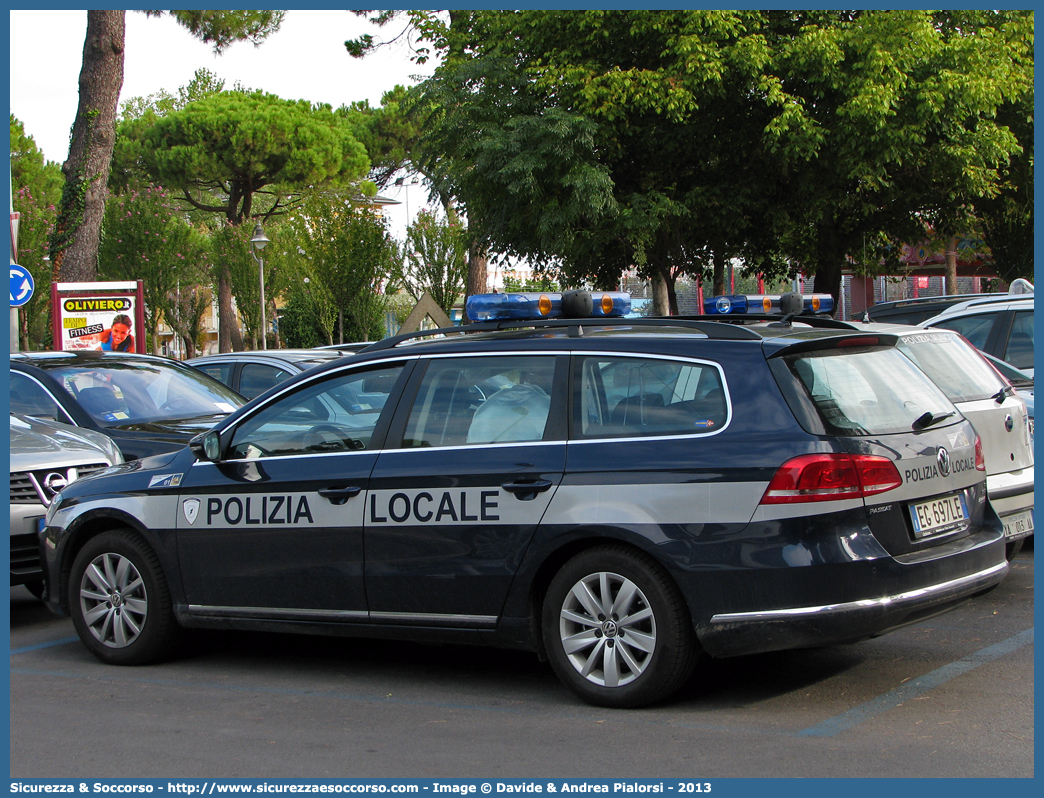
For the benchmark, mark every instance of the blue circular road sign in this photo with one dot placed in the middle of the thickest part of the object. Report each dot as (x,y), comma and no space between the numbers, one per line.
(21,285)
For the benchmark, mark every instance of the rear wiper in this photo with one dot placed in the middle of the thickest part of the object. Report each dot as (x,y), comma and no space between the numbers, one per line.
(1003,393)
(929,419)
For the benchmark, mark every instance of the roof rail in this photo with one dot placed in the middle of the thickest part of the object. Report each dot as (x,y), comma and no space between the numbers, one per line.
(711,326)
(745,318)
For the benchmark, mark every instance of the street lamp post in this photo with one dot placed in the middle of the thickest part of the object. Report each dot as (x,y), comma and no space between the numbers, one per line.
(258,242)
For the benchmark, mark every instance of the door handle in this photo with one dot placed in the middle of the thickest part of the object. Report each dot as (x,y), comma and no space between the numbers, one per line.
(340,495)
(525,491)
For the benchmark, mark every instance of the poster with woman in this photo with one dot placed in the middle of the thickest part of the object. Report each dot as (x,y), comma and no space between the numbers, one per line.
(109,321)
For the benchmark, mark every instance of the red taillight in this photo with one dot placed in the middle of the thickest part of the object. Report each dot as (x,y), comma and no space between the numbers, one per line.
(980,461)
(830,477)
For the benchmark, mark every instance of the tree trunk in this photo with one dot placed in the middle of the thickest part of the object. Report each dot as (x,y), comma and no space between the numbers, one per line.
(477,273)
(77,231)
(661,294)
(951,266)
(830,256)
(229,339)
(719,274)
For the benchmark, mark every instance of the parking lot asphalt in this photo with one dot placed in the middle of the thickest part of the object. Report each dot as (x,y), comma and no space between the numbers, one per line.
(949,697)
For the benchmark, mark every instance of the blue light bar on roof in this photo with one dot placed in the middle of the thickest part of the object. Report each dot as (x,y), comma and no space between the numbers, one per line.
(530,306)
(765,304)
(610,303)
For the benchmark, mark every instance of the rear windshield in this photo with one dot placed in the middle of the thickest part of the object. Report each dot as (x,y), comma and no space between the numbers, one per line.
(953,365)
(869,391)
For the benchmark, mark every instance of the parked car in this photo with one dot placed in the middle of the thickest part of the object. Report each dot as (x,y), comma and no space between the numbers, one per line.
(45,457)
(917,309)
(978,390)
(998,413)
(253,373)
(1003,329)
(617,494)
(348,347)
(147,404)
(1020,381)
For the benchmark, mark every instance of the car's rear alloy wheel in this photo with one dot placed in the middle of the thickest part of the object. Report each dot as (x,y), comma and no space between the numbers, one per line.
(119,600)
(617,630)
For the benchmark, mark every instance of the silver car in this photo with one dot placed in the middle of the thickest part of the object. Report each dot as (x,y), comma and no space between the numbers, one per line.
(995,409)
(45,457)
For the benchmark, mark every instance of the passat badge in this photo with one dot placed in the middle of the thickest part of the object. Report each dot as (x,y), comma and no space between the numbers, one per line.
(191,509)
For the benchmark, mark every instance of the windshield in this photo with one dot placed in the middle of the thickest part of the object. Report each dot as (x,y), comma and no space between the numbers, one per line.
(137,392)
(870,391)
(952,364)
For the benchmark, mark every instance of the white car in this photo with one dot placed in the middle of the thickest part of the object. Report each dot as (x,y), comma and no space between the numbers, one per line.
(996,410)
(1003,328)
(45,457)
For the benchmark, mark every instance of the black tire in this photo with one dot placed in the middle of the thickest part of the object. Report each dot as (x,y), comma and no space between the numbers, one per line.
(120,602)
(36,588)
(1013,547)
(652,646)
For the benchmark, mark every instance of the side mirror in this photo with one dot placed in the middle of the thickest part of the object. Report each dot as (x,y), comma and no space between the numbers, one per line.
(206,446)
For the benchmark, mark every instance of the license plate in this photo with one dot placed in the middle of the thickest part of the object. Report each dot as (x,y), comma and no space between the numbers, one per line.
(1018,525)
(939,516)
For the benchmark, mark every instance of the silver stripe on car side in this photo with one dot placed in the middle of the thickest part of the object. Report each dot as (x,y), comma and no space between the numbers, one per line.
(284,613)
(655,503)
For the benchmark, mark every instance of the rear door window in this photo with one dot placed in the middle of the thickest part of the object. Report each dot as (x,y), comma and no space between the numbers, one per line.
(640,396)
(976,328)
(222,372)
(1019,351)
(256,378)
(476,400)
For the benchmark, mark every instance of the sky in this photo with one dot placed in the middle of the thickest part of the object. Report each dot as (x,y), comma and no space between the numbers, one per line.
(305,59)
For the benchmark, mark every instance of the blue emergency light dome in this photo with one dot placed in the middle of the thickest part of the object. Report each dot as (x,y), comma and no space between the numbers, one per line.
(766,304)
(531,306)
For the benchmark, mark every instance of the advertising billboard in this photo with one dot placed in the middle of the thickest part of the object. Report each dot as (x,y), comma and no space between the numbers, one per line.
(107,316)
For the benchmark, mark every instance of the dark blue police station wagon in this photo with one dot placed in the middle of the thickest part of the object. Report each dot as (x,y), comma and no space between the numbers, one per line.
(617,495)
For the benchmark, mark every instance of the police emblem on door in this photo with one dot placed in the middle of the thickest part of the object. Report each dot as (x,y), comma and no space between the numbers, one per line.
(191,509)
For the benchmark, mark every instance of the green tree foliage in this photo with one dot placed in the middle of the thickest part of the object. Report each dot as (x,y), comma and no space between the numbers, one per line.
(434,259)
(352,256)
(1006,219)
(309,315)
(29,168)
(36,186)
(240,145)
(147,239)
(389,134)
(34,230)
(250,156)
(231,252)
(77,232)
(883,120)
(222,29)
(671,140)
(138,114)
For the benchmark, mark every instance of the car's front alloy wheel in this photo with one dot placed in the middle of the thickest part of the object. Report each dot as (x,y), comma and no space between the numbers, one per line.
(119,600)
(113,600)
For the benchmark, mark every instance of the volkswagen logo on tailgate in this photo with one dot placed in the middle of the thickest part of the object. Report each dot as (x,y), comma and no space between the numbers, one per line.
(944,462)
